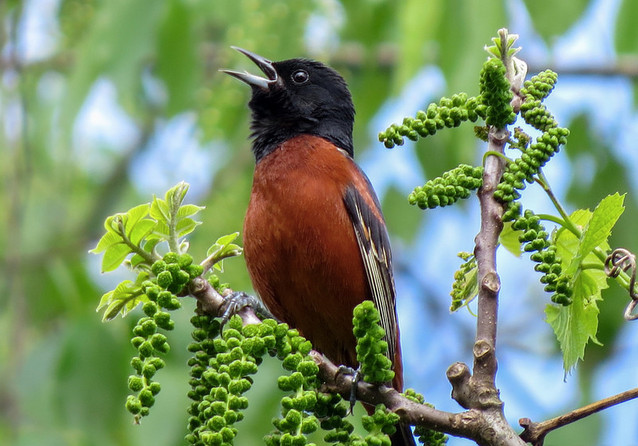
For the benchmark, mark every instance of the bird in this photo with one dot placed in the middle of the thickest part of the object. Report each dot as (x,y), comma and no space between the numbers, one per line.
(315,239)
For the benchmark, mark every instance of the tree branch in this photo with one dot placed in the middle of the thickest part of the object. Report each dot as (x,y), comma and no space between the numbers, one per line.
(535,432)
(480,426)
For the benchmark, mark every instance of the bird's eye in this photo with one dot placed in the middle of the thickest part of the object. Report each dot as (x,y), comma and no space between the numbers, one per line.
(300,77)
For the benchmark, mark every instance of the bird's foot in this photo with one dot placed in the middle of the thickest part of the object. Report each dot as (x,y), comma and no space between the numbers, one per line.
(356,377)
(238,300)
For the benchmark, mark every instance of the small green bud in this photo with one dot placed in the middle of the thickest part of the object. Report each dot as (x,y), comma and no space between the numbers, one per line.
(164,279)
(145,349)
(158,267)
(146,398)
(171,257)
(133,405)
(135,383)
(155,387)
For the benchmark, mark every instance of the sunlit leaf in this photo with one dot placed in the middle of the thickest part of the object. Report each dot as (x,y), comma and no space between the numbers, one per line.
(576,324)
(114,256)
(141,230)
(509,239)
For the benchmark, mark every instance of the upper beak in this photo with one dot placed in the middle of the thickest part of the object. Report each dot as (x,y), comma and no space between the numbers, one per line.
(256,81)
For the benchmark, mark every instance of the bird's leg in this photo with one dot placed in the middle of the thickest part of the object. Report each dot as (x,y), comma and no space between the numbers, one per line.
(356,377)
(237,300)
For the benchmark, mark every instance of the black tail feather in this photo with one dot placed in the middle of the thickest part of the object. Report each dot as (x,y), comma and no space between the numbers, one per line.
(403,436)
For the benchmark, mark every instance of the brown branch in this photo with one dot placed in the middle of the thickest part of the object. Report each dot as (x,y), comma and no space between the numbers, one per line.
(480,426)
(535,432)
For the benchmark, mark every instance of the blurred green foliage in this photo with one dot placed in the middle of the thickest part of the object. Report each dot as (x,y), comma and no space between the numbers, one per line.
(62,372)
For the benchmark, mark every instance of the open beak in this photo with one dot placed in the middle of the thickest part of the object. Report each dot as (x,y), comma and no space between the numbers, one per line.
(255,81)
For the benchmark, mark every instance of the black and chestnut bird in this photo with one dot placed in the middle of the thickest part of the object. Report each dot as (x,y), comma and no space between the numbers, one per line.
(315,240)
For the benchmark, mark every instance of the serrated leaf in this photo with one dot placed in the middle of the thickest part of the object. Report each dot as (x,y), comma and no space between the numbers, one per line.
(596,229)
(114,256)
(509,239)
(576,324)
(601,223)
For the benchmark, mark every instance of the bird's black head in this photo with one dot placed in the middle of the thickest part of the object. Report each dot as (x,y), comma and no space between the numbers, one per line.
(299,96)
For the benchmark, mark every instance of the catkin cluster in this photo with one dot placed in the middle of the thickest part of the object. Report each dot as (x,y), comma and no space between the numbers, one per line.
(376,367)
(449,112)
(171,274)
(297,419)
(445,190)
(427,437)
(220,375)
(538,153)
(496,94)
(535,240)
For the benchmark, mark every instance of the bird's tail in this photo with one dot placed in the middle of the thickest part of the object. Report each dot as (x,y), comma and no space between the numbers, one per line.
(403,436)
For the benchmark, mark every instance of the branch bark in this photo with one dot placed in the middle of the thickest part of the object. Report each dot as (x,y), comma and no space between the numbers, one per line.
(535,432)
(479,425)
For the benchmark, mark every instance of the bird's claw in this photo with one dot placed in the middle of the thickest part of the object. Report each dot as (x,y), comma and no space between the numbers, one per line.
(238,300)
(356,377)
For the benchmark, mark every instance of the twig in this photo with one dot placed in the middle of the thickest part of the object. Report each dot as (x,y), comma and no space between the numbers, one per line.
(535,432)
(474,424)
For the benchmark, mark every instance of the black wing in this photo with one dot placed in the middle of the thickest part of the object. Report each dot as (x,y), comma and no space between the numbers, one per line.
(374,245)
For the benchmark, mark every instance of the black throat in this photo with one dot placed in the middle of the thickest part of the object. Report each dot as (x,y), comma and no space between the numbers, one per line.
(268,134)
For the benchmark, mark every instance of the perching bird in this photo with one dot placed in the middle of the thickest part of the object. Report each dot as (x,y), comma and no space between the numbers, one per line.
(315,240)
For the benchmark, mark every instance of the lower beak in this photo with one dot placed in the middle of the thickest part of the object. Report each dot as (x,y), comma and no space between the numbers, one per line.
(256,81)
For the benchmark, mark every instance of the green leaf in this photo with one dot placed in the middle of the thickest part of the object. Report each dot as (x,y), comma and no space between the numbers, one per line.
(177,60)
(160,210)
(626,30)
(189,210)
(509,239)
(576,324)
(597,229)
(141,230)
(553,18)
(222,249)
(126,296)
(108,239)
(186,226)
(114,256)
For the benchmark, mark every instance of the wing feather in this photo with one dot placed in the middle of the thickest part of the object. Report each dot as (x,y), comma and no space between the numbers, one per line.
(374,246)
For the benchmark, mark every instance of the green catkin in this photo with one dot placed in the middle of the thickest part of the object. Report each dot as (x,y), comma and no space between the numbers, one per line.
(536,155)
(372,349)
(220,374)
(449,112)
(171,273)
(445,190)
(496,94)
(535,240)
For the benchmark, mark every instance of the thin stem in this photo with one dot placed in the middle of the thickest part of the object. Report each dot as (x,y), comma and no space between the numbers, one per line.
(567,222)
(535,432)
(552,218)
